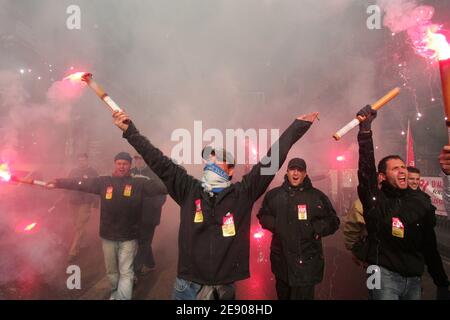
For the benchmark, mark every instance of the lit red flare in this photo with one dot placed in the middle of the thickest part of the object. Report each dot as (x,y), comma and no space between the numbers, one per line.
(30,227)
(26,227)
(258,234)
(438,48)
(436,44)
(5,174)
(28,181)
(78,76)
(88,78)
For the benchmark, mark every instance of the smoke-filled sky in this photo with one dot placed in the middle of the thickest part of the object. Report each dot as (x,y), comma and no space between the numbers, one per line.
(229,63)
(232,64)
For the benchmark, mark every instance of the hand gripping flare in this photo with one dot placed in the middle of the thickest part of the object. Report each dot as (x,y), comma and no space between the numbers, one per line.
(376,106)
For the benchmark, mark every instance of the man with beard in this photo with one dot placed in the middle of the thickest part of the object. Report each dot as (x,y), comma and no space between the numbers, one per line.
(400,224)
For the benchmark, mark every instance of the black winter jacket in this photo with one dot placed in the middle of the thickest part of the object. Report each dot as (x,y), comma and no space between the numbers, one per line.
(78,198)
(389,210)
(296,252)
(208,252)
(121,200)
(152,207)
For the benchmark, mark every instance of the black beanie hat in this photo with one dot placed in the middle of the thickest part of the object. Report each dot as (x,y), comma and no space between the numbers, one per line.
(123,156)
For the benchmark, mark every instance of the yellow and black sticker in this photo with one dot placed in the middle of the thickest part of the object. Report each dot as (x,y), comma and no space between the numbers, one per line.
(127,190)
(398,230)
(228,229)
(109,193)
(302,212)
(198,217)
(198,212)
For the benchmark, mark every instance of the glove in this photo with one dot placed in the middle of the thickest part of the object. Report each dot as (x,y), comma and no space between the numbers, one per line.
(442,293)
(369,114)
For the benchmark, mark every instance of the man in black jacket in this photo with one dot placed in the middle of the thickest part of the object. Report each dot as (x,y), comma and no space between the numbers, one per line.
(298,215)
(400,224)
(81,203)
(214,236)
(121,197)
(150,218)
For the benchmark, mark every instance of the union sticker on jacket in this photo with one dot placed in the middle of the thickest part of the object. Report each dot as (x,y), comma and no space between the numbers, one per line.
(302,212)
(198,212)
(127,190)
(109,193)
(228,229)
(398,230)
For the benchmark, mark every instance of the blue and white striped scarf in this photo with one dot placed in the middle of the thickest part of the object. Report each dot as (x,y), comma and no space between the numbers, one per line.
(214,179)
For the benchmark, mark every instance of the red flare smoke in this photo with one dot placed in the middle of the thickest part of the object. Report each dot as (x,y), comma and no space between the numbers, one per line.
(436,44)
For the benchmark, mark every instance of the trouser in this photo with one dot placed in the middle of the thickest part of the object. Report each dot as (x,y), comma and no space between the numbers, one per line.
(396,287)
(188,290)
(82,214)
(144,254)
(286,292)
(119,257)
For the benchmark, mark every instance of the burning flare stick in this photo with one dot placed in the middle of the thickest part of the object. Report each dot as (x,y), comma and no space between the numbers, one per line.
(438,44)
(376,106)
(87,78)
(30,227)
(444,67)
(28,181)
(6,175)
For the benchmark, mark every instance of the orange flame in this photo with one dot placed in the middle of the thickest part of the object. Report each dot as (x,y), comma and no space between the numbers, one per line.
(4,172)
(30,226)
(76,77)
(437,44)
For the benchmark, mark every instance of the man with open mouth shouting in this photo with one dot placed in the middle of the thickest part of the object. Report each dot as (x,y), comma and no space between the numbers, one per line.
(400,224)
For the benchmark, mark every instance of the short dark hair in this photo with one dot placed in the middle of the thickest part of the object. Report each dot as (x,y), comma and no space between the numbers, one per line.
(382,165)
(413,170)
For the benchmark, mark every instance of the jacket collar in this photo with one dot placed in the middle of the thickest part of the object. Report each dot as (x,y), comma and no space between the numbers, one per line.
(305,185)
(393,192)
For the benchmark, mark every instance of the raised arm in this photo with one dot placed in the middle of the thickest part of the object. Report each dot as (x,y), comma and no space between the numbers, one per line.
(261,175)
(175,177)
(367,172)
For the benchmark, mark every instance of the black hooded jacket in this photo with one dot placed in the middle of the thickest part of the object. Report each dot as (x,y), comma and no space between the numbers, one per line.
(121,200)
(296,252)
(209,251)
(400,223)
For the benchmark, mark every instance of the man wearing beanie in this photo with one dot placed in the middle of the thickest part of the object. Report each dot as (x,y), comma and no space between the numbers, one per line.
(299,216)
(214,236)
(121,199)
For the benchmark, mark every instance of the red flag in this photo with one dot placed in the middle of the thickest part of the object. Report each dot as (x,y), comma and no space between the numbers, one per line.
(410,160)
